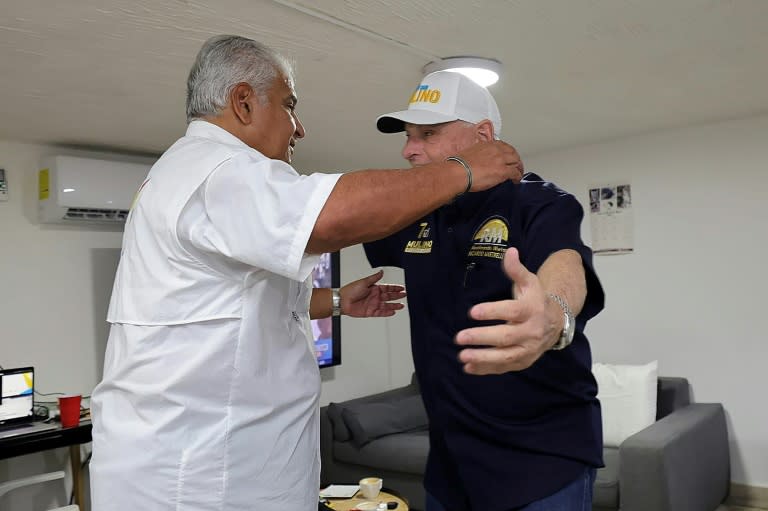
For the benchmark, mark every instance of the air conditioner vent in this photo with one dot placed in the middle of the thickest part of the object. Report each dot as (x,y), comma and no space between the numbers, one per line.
(76,189)
(96,215)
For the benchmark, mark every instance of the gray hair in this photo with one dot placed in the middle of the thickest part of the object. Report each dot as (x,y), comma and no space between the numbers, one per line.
(222,63)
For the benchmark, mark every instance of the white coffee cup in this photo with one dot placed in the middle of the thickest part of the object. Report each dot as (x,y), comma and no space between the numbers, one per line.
(370,487)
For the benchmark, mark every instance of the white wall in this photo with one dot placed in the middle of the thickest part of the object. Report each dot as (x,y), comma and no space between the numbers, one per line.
(54,282)
(693,293)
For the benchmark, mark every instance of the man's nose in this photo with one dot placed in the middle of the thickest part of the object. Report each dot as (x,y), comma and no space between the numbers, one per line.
(299,133)
(411,149)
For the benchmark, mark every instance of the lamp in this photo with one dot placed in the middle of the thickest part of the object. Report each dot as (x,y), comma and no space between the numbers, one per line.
(483,71)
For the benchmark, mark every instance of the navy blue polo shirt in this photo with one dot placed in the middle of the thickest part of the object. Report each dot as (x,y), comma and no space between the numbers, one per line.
(501,441)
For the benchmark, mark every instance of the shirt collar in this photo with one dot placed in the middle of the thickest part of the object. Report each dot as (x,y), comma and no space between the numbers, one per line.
(205,129)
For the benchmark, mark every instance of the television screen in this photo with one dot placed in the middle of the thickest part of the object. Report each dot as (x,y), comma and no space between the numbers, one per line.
(327,331)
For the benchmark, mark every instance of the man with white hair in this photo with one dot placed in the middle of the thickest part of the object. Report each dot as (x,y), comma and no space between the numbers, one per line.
(514,419)
(209,399)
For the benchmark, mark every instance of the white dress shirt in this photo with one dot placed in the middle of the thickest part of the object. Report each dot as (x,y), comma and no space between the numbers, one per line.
(209,399)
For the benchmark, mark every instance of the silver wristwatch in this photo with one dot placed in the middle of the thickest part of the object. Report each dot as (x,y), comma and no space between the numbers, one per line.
(569,324)
(335,302)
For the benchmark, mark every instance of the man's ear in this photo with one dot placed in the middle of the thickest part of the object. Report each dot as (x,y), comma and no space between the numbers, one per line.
(485,130)
(241,99)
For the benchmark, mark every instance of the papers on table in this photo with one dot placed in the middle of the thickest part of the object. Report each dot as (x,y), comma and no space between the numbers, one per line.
(339,491)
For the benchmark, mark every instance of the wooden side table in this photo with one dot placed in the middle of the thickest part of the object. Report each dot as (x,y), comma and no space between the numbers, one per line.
(349,504)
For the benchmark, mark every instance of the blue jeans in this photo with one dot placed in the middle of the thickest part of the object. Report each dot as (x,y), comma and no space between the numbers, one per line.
(577,496)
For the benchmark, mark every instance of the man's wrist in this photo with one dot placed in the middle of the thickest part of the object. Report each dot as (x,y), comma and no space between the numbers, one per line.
(565,335)
(467,170)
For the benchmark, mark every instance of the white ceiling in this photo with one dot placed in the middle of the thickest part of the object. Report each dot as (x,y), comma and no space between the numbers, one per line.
(111,74)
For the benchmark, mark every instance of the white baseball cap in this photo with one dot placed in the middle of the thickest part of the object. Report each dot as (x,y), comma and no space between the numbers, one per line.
(444,96)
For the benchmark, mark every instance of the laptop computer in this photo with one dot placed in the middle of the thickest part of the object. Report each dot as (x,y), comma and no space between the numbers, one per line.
(17,403)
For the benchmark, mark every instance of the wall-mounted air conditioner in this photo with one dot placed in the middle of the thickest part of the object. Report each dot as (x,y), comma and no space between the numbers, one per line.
(75,189)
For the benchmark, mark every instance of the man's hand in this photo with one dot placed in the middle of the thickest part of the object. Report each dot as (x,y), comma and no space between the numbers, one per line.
(492,163)
(532,326)
(364,298)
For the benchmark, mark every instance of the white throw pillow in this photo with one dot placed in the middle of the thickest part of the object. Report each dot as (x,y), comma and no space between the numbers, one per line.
(627,395)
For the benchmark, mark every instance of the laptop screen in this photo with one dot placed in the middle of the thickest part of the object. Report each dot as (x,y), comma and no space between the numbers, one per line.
(18,395)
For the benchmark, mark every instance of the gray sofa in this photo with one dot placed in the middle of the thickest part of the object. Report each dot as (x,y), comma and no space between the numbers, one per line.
(679,463)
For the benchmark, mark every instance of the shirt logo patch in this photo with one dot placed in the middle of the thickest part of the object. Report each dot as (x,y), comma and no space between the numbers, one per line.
(491,239)
(421,245)
(424,94)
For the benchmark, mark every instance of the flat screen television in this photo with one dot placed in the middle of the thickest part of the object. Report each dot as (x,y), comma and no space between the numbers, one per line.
(327,331)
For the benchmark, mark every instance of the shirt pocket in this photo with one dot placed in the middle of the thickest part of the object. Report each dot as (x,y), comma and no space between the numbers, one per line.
(484,280)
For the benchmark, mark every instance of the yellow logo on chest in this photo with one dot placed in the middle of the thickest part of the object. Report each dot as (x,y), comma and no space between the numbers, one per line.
(491,239)
(421,245)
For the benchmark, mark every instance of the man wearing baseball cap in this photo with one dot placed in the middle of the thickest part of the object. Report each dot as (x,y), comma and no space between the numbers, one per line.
(507,383)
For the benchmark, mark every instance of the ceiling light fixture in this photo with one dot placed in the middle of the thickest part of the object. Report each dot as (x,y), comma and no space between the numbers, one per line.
(483,71)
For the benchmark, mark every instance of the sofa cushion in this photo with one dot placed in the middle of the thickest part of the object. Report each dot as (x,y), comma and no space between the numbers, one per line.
(368,421)
(340,431)
(672,395)
(404,452)
(606,489)
(627,395)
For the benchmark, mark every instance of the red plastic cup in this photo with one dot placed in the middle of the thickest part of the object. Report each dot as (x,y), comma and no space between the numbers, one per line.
(69,410)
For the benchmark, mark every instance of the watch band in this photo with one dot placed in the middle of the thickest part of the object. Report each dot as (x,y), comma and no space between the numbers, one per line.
(569,324)
(335,302)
